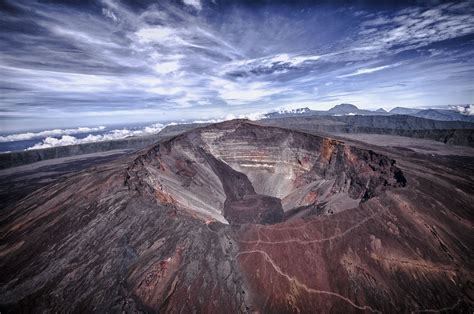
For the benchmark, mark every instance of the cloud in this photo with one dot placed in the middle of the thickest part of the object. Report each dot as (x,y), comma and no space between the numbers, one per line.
(253,116)
(242,92)
(279,63)
(184,60)
(166,67)
(66,140)
(109,14)
(367,71)
(156,34)
(47,133)
(193,3)
(294,60)
(413,28)
(467,110)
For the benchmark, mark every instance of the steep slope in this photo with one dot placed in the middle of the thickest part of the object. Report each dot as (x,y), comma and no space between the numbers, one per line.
(239,166)
(239,217)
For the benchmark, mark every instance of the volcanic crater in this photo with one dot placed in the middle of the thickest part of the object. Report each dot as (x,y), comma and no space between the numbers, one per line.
(239,172)
(238,217)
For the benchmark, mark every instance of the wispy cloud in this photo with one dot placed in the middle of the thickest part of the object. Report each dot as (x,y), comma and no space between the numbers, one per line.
(367,71)
(194,3)
(415,27)
(242,92)
(194,58)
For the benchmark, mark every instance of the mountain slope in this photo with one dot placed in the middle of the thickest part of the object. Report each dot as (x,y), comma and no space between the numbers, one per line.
(405,111)
(443,115)
(175,228)
(349,109)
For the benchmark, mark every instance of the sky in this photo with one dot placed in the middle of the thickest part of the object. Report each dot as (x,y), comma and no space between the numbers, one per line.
(76,63)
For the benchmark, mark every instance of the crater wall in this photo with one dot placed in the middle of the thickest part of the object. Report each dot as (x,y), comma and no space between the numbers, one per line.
(241,172)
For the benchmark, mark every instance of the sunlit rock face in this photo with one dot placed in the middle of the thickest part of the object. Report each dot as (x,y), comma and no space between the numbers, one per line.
(239,172)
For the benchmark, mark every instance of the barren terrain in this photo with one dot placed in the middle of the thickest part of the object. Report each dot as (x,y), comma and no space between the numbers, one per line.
(240,217)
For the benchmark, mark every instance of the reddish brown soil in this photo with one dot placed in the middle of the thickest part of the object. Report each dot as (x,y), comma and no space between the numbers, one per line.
(183,227)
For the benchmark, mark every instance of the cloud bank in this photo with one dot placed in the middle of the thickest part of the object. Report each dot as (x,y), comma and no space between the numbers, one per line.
(47,133)
(66,139)
(467,110)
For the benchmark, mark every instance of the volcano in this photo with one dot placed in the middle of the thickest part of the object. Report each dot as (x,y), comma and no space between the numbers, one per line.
(238,173)
(242,217)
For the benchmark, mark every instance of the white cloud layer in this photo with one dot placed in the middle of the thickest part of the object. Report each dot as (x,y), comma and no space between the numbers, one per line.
(66,140)
(47,133)
(467,110)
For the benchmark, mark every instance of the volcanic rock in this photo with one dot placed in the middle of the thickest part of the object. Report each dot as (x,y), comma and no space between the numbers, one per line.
(240,217)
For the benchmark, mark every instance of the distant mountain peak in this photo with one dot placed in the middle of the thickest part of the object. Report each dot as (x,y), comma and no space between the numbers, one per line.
(456,113)
(343,105)
(403,110)
(343,109)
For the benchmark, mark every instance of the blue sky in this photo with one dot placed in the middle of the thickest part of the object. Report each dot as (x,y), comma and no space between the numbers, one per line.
(97,62)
